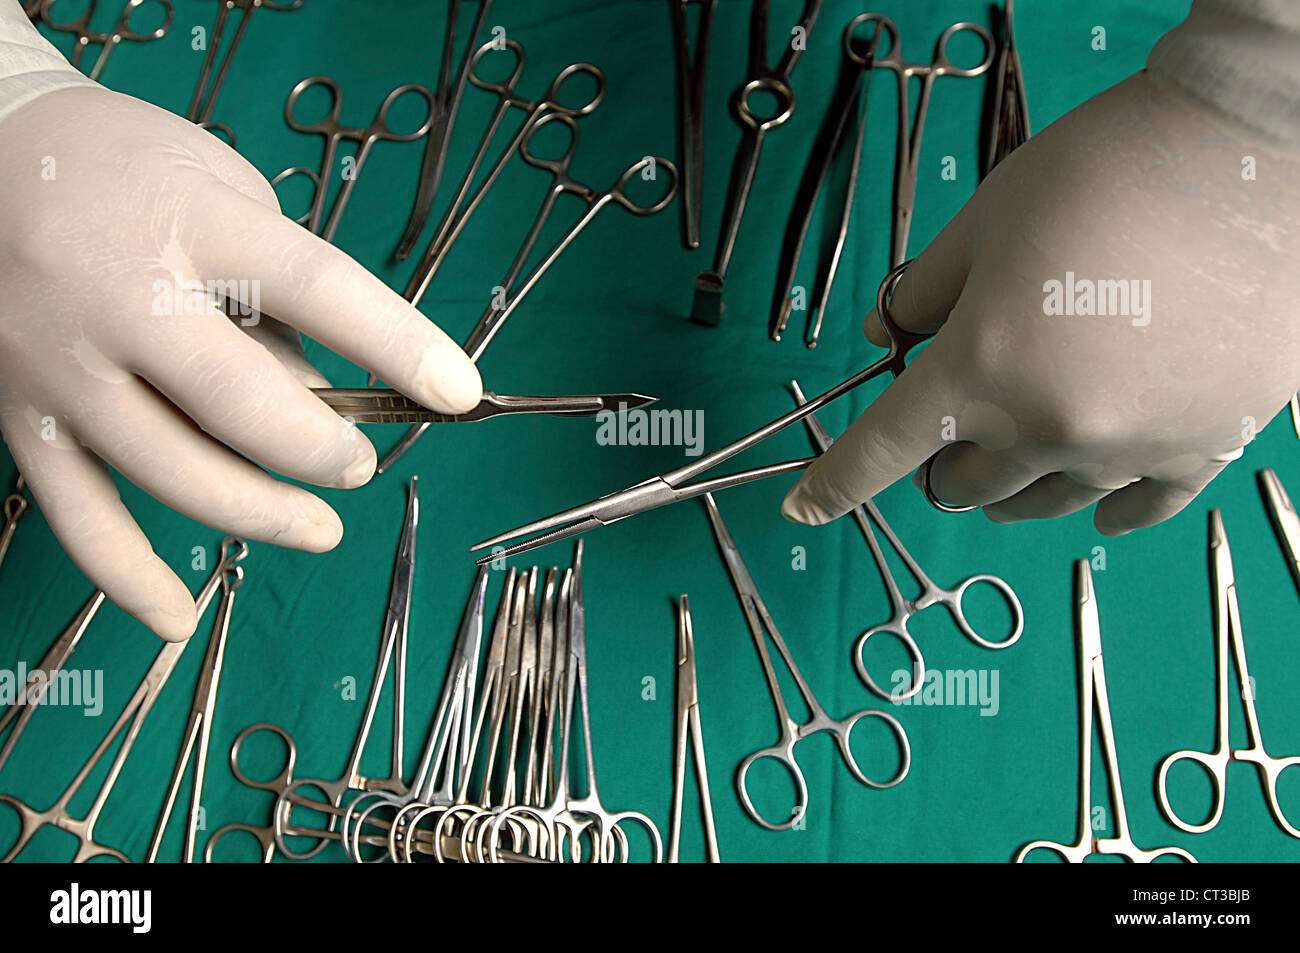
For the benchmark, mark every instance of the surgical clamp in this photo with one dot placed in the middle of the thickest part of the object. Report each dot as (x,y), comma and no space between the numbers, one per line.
(688,725)
(690,110)
(85,36)
(1009,118)
(208,88)
(1285,519)
(16,505)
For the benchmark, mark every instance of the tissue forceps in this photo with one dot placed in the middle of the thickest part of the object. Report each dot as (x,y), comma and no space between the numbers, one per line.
(208,89)
(907,164)
(1093,700)
(903,609)
(85,36)
(674,486)
(21,711)
(1228,629)
(130,721)
(15,508)
(762,628)
(707,306)
(198,733)
(690,110)
(376,405)
(447,99)
(688,724)
(848,111)
(333,132)
(1285,519)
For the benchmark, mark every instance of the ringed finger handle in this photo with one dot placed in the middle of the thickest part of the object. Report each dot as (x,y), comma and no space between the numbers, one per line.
(654,163)
(843,732)
(783,755)
(899,632)
(1215,766)
(1008,595)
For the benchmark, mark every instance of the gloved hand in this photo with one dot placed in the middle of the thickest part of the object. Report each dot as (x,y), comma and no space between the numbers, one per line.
(1035,414)
(109,203)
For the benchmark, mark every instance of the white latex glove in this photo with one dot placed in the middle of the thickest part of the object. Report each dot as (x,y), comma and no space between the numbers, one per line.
(179,403)
(1055,413)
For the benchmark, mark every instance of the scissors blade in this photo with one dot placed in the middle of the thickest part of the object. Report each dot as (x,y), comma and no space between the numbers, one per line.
(1284,515)
(383,405)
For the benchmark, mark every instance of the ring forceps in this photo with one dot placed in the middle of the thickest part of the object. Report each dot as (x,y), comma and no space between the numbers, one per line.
(15,508)
(85,36)
(761,627)
(690,110)
(1094,700)
(674,486)
(688,724)
(198,733)
(1228,629)
(208,89)
(707,307)
(131,721)
(846,112)
(931,594)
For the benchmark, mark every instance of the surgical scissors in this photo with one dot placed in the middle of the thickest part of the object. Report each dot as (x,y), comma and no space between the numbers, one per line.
(707,306)
(907,164)
(688,725)
(1285,519)
(1228,629)
(130,721)
(674,486)
(85,36)
(377,405)
(931,594)
(447,99)
(333,132)
(15,508)
(848,109)
(1094,700)
(208,89)
(690,110)
(1009,117)
(198,733)
(761,627)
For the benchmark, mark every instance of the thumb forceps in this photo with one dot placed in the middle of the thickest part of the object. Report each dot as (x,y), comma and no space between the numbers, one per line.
(15,508)
(1094,700)
(909,143)
(848,110)
(1228,629)
(903,609)
(761,627)
(707,306)
(85,36)
(333,132)
(208,89)
(131,721)
(688,724)
(673,486)
(690,110)
(198,733)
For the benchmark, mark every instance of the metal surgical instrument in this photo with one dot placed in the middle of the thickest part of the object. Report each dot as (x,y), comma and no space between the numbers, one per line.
(707,306)
(1285,519)
(208,88)
(446,99)
(131,721)
(1228,629)
(198,733)
(931,594)
(366,405)
(333,132)
(907,164)
(1094,700)
(688,725)
(16,505)
(85,36)
(690,110)
(1009,119)
(674,486)
(761,627)
(847,113)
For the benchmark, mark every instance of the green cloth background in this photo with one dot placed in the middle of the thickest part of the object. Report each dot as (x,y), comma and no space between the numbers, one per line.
(611,316)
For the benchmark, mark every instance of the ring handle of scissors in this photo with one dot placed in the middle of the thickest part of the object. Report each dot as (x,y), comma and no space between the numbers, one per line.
(1070,853)
(611,833)
(779,88)
(282,780)
(619,192)
(305,218)
(126,32)
(883,24)
(551,101)
(558,167)
(265,837)
(290,798)
(953,598)
(328,125)
(355,818)
(843,730)
(385,131)
(79,26)
(782,753)
(898,629)
(944,66)
(1216,768)
(1270,770)
(504,89)
(218,129)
